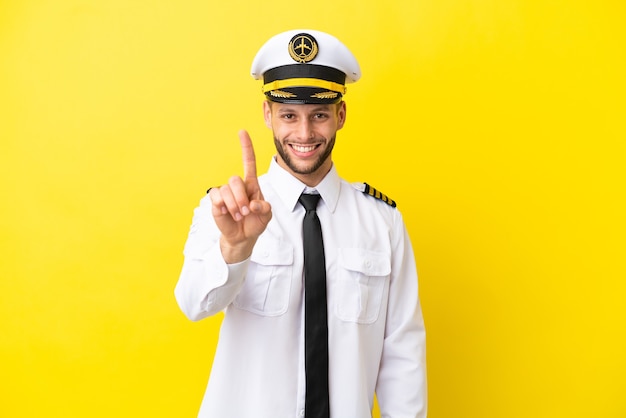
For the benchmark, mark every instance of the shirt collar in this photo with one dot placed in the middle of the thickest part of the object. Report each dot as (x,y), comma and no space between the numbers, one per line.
(289,188)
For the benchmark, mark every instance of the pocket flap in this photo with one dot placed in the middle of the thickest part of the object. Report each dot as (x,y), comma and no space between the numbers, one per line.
(370,263)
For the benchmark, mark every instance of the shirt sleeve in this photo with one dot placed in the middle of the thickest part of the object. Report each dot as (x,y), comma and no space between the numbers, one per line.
(401,388)
(207,284)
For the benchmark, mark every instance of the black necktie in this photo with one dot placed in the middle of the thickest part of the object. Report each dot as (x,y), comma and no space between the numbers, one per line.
(315,315)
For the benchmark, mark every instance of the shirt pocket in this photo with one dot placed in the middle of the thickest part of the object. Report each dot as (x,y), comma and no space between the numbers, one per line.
(362,282)
(267,285)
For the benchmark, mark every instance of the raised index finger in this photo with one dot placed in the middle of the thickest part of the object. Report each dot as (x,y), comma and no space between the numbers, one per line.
(249,160)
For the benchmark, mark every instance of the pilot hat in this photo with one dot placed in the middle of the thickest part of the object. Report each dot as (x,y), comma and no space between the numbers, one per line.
(305,67)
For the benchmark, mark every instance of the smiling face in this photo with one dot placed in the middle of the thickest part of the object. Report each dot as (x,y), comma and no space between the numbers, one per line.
(304,136)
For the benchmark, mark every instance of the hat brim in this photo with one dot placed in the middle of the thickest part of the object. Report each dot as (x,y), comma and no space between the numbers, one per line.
(304,95)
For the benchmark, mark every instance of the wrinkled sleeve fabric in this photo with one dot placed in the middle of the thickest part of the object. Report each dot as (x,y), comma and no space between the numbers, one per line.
(207,285)
(401,388)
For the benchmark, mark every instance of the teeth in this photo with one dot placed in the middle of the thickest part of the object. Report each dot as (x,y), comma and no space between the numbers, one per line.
(302,148)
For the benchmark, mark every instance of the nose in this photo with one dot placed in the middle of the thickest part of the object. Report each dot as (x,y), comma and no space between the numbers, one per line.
(305,130)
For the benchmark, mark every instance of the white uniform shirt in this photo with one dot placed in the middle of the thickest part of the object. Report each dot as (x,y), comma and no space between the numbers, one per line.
(376,335)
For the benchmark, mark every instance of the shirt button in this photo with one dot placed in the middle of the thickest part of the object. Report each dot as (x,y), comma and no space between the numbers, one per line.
(368,263)
(302,412)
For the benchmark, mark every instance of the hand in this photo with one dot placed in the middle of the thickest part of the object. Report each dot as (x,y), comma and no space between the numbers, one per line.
(240,212)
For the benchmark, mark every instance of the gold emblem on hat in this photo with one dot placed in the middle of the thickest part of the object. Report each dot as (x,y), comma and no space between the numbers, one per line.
(303,48)
(282,94)
(325,95)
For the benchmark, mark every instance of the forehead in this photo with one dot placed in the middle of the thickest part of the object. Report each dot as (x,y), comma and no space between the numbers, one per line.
(301,108)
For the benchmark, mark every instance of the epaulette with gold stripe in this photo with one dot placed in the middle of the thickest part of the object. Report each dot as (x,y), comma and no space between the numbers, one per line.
(369,190)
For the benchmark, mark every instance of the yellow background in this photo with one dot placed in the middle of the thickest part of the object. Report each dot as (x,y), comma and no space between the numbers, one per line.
(498,126)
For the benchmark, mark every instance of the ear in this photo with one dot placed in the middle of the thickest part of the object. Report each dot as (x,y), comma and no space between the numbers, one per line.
(267,114)
(341,115)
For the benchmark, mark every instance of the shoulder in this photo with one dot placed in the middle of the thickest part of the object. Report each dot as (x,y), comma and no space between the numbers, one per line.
(370,191)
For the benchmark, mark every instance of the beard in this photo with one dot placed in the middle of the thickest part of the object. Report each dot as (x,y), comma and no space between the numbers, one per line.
(284,155)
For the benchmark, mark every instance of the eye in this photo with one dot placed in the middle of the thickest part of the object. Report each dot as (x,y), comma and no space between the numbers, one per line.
(287,116)
(320,116)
